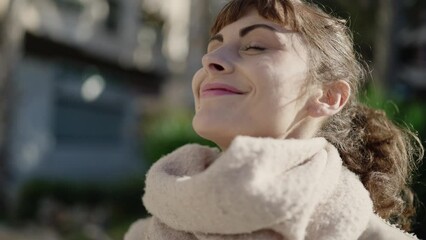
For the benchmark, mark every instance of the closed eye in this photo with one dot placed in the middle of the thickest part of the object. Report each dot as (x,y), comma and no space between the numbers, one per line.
(253,47)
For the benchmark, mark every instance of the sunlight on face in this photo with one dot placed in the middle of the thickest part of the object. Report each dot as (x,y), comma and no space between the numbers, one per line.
(251,82)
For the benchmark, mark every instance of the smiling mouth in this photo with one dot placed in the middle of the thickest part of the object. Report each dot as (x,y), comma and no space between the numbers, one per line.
(217,89)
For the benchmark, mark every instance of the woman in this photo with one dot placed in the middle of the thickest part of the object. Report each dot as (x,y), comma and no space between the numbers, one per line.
(300,157)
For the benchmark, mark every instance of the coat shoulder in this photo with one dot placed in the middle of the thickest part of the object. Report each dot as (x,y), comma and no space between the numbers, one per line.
(379,229)
(138,229)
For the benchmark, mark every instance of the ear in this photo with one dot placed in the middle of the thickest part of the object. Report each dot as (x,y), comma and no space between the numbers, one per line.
(330,100)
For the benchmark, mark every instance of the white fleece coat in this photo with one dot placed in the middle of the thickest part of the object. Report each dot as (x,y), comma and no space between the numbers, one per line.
(259,188)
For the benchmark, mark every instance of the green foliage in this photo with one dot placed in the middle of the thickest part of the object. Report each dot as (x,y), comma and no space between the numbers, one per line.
(167,131)
(411,113)
(117,230)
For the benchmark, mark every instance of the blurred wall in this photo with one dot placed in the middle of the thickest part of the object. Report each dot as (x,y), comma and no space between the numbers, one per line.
(79,72)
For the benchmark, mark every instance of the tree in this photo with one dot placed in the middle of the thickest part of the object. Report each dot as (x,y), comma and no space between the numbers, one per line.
(389,14)
(10,39)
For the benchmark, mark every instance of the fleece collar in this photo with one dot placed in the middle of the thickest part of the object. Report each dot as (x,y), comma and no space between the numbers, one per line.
(284,189)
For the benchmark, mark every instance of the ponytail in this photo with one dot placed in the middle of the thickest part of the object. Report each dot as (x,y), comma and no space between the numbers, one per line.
(382,154)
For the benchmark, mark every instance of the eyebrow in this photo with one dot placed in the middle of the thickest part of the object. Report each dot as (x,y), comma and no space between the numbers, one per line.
(244,31)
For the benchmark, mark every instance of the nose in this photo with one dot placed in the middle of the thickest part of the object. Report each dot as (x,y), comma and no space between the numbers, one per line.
(217,62)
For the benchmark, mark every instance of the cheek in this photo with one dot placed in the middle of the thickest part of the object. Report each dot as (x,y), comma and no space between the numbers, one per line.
(198,78)
(279,92)
(281,81)
(272,84)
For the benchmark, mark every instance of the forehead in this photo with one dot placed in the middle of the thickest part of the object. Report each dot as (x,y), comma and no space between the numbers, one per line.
(279,11)
(252,17)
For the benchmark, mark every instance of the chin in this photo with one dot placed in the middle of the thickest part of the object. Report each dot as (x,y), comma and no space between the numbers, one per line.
(202,128)
(212,131)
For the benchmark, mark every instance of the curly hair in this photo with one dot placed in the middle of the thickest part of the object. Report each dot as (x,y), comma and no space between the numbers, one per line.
(381,153)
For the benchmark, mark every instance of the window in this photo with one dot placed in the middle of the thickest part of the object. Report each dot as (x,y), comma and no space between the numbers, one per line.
(70,5)
(79,122)
(83,122)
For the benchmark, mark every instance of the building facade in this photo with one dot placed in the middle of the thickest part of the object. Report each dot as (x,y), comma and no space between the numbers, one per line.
(82,69)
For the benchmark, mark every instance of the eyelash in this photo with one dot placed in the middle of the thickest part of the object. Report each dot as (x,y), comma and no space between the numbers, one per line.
(253,47)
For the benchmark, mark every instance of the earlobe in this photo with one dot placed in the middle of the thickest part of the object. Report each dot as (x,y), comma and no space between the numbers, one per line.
(329,101)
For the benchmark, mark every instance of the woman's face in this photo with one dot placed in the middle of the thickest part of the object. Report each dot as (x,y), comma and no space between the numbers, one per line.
(251,82)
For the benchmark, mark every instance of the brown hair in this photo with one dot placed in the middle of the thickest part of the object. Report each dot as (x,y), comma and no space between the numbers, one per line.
(381,153)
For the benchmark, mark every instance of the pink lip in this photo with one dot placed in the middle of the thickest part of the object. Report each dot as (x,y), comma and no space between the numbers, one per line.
(219,89)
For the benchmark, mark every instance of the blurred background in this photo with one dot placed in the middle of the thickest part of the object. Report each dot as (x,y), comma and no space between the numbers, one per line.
(92,92)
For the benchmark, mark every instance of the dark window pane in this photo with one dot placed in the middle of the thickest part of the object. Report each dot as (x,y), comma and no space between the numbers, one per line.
(79,122)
